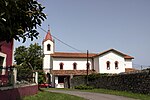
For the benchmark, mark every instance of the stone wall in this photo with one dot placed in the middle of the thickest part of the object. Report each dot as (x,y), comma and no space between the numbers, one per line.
(78,80)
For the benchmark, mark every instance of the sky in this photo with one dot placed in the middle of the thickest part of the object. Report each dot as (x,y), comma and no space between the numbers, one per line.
(99,25)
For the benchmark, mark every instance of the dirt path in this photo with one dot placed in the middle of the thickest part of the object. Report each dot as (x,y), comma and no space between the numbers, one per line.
(92,96)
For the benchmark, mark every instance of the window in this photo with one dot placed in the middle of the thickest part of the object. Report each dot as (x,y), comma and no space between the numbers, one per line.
(48,47)
(74,65)
(108,65)
(88,65)
(1,61)
(116,64)
(61,65)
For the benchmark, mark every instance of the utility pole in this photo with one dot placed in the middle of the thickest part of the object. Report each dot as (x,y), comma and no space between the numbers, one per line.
(141,67)
(87,67)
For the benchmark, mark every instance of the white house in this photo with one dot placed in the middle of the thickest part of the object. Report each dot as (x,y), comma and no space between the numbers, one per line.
(60,67)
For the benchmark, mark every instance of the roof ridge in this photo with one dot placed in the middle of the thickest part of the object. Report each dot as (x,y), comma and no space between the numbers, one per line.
(124,55)
(75,52)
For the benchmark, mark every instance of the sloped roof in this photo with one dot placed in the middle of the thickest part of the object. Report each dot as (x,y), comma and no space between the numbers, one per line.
(118,52)
(48,36)
(72,55)
(84,55)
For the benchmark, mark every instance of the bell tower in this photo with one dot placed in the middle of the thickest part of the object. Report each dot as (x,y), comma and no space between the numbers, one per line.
(48,49)
(48,44)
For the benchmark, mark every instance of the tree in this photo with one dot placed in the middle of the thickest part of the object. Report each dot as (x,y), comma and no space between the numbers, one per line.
(28,59)
(19,19)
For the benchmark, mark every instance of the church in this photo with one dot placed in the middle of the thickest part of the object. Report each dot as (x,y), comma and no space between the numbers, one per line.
(60,67)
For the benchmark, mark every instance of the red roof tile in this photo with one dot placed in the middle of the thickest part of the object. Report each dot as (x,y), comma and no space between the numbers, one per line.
(48,36)
(72,55)
(71,72)
(84,55)
(130,70)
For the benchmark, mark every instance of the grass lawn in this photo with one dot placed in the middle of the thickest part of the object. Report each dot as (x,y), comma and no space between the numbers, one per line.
(52,96)
(119,93)
(57,96)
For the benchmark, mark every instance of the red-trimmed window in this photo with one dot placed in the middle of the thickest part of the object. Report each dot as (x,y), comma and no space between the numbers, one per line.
(108,65)
(61,65)
(48,47)
(88,65)
(74,65)
(116,65)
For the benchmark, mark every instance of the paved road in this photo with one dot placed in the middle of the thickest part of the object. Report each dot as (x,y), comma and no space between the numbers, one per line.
(92,96)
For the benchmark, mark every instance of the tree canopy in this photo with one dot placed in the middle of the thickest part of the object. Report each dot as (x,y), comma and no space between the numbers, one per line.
(28,59)
(19,19)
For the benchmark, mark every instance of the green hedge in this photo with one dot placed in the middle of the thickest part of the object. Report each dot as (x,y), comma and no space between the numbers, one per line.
(135,82)
(84,87)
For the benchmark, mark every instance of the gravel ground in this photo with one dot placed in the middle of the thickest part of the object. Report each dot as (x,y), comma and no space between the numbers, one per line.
(92,96)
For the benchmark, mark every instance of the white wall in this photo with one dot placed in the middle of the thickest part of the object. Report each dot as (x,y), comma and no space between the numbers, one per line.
(112,57)
(45,47)
(96,64)
(68,63)
(46,62)
(128,63)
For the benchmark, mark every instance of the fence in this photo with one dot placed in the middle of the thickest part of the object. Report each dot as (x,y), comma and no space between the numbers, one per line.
(26,76)
(7,77)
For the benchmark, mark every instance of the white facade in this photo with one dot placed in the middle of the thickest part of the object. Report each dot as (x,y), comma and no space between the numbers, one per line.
(112,58)
(68,63)
(96,64)
(52,61)
(45,44)
(128,63)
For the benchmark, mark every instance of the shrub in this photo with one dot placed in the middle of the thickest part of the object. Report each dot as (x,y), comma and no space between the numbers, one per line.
(95,76)
(84,87)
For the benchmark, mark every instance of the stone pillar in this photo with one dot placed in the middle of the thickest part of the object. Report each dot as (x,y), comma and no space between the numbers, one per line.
(53,81)
(71,76)
(36,77)
(56,81)
(15,76)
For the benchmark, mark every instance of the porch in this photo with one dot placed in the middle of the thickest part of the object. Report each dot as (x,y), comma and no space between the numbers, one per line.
(62,78)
